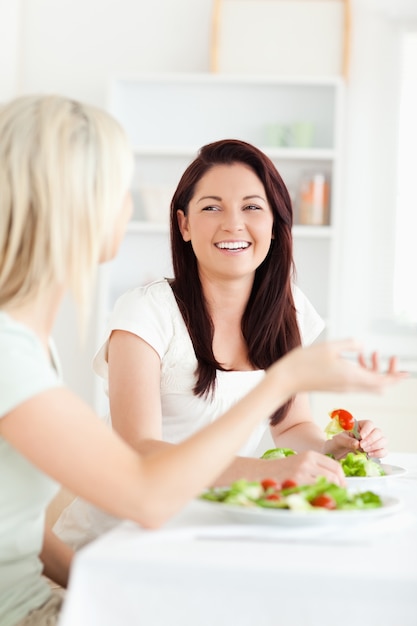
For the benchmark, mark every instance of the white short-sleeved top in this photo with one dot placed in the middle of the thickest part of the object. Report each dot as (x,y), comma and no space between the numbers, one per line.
(152,313)
(25,491)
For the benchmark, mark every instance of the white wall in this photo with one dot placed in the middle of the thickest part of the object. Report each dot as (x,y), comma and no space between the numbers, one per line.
(9,48)
(75,46)
(370,180)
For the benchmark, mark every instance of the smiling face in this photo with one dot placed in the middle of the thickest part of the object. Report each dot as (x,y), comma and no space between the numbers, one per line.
(229,222)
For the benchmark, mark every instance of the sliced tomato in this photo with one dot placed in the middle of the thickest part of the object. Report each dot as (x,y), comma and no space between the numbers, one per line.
(323,501)
(269,483)
(345,419)
(288,484)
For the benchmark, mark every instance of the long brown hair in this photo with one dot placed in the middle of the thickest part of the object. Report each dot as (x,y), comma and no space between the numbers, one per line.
(269,323)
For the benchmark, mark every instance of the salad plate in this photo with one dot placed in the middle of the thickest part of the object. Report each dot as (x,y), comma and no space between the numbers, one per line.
(391,470)
(287,517)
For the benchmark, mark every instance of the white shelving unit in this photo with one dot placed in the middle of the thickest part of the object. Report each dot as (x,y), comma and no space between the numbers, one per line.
(169,117)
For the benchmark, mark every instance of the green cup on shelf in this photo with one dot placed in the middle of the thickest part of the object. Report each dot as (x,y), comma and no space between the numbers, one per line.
(302,134)
(278,135)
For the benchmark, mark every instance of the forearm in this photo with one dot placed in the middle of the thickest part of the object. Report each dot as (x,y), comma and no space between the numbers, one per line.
(56,557)
(147,447)
(301,436)
(241,467)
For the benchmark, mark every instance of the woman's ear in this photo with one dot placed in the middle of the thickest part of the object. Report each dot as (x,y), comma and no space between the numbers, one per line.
(183,225)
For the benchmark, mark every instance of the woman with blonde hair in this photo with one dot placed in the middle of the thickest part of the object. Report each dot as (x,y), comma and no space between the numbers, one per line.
(65,171)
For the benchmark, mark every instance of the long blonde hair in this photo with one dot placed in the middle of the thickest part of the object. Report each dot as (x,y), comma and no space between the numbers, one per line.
(65,168)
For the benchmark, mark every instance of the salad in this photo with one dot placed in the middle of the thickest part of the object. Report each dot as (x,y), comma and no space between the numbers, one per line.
(341,420)
(353,464)
(359,464)
(277,453)
(269,494)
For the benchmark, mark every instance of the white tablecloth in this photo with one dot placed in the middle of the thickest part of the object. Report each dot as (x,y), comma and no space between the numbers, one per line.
(204,570)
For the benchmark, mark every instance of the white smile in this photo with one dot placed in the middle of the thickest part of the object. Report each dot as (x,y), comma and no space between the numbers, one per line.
(232,245)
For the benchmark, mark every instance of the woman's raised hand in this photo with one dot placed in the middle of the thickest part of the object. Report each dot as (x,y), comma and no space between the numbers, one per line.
(329,366)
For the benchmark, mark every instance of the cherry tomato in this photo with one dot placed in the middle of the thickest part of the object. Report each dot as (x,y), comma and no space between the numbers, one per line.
(269,483)
(288,483)
(324,501)
(273,496)
(345,419)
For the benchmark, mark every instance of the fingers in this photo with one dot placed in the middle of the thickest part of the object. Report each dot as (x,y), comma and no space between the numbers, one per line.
(378,453)
(307,466)
(341,444)
(366,427)
(361,360)
(393,365)
(373,441)
(368,379)
(375,365)
(375,362)
(375,448)
(372,380)
(332,471)
(325,367)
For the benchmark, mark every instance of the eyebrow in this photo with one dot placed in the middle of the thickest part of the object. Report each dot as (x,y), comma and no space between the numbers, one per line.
(219,198)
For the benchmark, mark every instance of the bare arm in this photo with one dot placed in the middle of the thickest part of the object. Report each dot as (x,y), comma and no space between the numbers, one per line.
(134,389)
(56,557)
(298,430)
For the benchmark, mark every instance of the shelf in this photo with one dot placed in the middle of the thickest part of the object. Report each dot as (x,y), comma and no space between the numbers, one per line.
(176,114)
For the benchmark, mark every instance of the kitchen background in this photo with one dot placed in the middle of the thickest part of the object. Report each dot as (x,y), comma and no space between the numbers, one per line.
(85,48)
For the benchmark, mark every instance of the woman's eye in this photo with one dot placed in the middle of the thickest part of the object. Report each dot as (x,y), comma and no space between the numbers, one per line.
(252,207)
(211,208)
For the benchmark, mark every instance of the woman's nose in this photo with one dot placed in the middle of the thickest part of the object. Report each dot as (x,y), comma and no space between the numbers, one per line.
(232,220)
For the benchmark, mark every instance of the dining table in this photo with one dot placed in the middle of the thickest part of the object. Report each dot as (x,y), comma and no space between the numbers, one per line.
(210,567)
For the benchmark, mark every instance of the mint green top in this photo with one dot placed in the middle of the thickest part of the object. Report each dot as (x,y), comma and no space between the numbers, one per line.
(25,491)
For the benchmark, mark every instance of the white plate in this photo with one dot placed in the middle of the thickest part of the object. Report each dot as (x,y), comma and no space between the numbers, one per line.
(391,471)
(286,517)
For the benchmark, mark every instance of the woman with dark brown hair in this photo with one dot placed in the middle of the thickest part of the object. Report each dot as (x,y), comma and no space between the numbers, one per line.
(268,324)
(180,352)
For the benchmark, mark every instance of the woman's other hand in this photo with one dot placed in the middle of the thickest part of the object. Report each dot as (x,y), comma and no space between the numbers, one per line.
(304,468)
(372,441)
